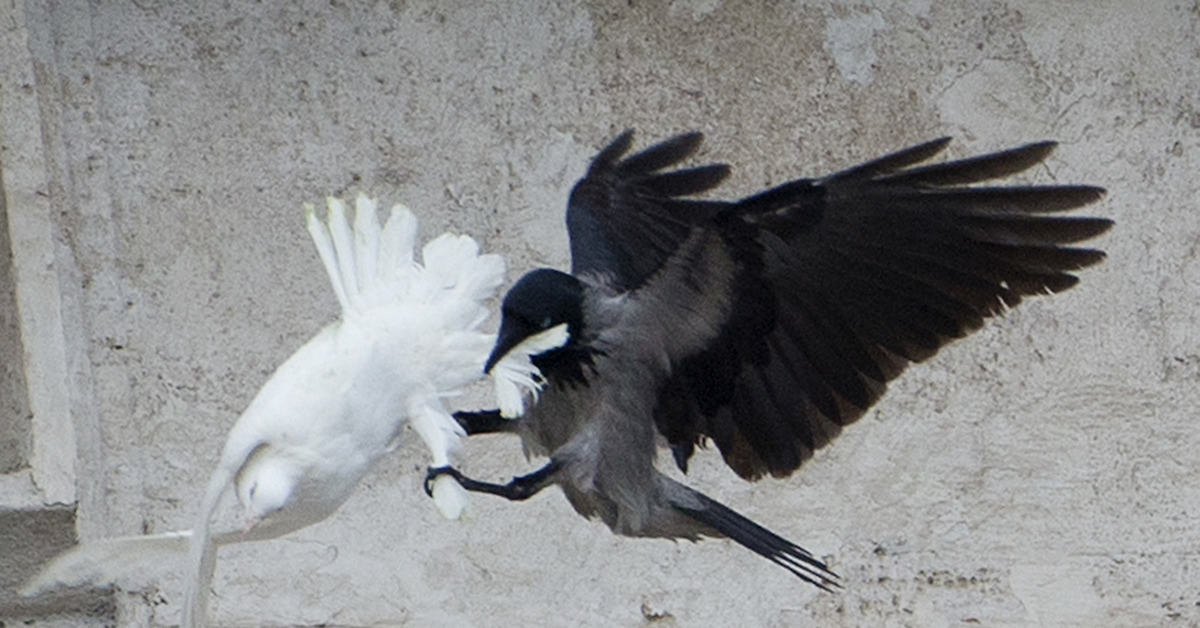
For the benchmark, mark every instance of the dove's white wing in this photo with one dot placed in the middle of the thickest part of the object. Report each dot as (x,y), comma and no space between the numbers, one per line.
(104,560)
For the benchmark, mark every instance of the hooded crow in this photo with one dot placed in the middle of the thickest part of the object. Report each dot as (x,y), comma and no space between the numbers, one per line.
(762,325)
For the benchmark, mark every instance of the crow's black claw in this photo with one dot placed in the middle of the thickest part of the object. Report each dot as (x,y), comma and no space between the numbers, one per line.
(435,472)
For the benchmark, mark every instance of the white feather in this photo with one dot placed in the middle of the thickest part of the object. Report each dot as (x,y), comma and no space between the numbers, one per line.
(366,238)
(406,340)
(104,559)
(343,245)
(320,236)
(399,241)
(515,375)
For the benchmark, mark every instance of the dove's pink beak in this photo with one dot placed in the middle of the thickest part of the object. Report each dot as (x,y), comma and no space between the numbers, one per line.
(248,524)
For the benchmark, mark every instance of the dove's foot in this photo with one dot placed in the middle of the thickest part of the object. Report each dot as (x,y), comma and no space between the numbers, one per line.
(518,489)
(434,473)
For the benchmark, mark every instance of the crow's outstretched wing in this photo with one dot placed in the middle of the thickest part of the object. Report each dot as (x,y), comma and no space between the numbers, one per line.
(849,278)
(625,218)
(841,281)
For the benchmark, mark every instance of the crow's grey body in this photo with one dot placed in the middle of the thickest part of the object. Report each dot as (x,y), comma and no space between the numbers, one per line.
(763,325)
(603,437)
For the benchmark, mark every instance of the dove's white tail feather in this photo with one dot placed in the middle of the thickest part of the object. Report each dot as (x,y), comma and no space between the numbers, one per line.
(397,243)
(324,244)
(366,241)
(457,270)
(369,266)
(343,244)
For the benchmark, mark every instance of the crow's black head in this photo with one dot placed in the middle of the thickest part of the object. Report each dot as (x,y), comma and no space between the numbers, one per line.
(542,299)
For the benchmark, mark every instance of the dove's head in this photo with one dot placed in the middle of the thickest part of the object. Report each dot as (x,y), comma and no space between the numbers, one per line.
(265,485)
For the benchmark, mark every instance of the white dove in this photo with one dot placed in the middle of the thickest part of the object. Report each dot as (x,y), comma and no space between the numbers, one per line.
(406,339)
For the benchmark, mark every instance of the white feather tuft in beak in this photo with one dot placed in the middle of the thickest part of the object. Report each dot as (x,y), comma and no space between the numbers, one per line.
(515,374)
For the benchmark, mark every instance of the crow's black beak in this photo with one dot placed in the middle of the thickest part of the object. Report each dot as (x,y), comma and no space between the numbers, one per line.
(511,334)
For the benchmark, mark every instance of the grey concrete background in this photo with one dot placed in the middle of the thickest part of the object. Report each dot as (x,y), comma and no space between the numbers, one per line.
(1042,473)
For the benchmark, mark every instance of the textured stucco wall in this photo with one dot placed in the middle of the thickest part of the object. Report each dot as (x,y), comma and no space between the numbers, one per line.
(14,405)
(1043,472)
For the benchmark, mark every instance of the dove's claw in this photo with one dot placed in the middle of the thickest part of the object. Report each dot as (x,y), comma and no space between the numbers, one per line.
(435,472)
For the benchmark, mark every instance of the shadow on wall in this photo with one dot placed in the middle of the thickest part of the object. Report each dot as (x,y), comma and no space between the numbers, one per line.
(14,402)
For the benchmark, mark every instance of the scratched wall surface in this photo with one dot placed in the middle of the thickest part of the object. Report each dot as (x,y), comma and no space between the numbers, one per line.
(1043,472)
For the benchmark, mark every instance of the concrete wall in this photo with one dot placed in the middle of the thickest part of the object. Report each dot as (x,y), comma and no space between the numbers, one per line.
(156,153)
(15,420)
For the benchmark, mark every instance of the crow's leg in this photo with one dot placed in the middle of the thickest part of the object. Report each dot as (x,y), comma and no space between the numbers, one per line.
(518,489)
(483,422)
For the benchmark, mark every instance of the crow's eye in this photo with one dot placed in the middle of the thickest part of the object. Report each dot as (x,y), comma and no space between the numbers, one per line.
(546,322)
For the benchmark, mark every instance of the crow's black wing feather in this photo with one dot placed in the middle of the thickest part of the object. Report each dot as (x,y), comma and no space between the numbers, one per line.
(850,278)
(625,218)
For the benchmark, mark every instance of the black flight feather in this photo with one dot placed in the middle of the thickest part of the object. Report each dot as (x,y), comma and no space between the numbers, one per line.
(625,219)
(866,270)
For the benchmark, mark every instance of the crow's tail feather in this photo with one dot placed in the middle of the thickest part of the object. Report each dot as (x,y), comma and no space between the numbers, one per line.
(760,540)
